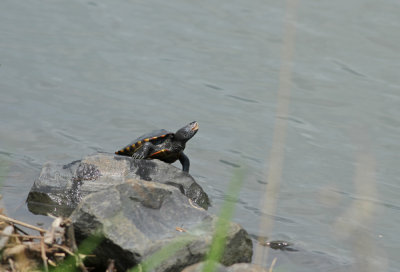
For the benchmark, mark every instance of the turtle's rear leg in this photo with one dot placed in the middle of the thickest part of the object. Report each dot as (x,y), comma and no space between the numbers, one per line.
(144,151)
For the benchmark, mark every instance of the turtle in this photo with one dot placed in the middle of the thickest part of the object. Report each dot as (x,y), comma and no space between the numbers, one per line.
(163,145)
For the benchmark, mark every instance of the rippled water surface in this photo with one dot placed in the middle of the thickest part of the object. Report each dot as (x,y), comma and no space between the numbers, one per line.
(78,77)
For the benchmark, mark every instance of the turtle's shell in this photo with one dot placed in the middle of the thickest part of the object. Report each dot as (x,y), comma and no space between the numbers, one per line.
(156,137)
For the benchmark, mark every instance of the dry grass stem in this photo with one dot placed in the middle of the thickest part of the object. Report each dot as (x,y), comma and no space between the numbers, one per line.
(272,265)
(44,257)
(22,252)
(14,221)
(276,156)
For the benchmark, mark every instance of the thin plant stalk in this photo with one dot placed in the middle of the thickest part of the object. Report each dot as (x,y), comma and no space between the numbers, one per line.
(228,207)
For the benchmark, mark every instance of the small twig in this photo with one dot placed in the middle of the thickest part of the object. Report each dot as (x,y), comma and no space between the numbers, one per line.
(64,249)
(59,254)
(44,257)
(11,262)
(82,267)
(20,230)
(10,220)
(180,229)
(51,216)
(71,237)
(6,236)
(21,236)
(52,263)
(14,250)
(111,266)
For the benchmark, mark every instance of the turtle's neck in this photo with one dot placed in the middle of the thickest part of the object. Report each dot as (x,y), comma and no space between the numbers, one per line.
(178,146)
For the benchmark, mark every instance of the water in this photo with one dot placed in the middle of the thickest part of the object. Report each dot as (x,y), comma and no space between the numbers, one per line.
(79,77)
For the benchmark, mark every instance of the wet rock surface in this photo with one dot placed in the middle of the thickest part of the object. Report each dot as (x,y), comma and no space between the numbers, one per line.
(60,188)
(240,267)
(137,207)
(138,218)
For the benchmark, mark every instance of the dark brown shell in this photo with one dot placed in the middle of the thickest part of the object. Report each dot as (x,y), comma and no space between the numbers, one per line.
(156,137)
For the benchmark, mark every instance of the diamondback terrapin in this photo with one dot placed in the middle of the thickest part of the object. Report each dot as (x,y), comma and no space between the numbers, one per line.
(163,145)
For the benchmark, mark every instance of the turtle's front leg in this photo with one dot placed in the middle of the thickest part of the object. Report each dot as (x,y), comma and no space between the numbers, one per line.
(185,162)
(144,151)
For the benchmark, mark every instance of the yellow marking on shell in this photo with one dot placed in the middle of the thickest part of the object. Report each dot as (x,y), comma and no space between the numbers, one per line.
(127,148)
(133,146)
(153,138)
(158,152)
(146,140)
(139,142)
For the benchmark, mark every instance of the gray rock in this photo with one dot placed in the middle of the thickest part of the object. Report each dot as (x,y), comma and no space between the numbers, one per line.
(240,267)
(245,267)
(60,188)
(138,219)
(200,266)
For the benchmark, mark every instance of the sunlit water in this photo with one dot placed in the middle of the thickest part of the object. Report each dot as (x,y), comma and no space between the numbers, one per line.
(78,77)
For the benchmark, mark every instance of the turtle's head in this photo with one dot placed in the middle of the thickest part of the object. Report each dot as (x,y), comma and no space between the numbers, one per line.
(187,132)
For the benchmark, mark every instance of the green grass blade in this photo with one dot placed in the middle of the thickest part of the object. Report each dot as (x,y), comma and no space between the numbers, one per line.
(219,240)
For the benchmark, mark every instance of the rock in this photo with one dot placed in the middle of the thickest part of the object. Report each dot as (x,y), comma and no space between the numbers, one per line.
(138,219)
(240,267)
(60,188)
(200,266)
(245,267)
